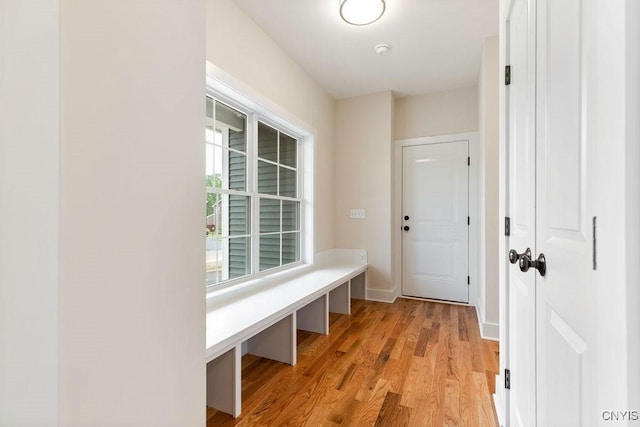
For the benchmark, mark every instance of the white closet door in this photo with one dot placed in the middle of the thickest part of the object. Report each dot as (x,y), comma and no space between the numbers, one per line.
(551,335)
(566,303)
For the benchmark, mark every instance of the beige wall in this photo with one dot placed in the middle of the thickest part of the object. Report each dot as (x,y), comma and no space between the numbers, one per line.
(132,321)
(489,194)
(364,136)
(239,47)
(441,113)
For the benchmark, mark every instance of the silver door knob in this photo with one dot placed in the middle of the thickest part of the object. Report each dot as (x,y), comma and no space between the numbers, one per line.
(515,256)
(539,264)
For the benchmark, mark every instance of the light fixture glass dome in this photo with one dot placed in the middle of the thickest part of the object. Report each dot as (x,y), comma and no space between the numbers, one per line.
(361,12)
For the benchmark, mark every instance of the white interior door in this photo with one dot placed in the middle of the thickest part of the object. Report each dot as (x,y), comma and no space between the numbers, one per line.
(566,321)
(435,241)
(551,313)
(521,209)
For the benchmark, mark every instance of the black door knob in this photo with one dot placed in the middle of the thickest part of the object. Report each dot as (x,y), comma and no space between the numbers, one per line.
(406,217)
(515,256)
(539,264)
(405,228)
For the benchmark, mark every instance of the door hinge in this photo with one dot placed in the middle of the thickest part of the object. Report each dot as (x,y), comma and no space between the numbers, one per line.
(507,75)
(468,280)
(595,259)
(468,161)
(507,379)
(468,220)
(507,226)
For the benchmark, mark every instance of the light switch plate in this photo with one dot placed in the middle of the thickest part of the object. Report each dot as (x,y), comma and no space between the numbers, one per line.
(356,213)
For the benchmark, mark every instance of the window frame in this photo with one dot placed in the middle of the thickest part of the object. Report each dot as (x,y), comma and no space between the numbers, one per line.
(259,196)
(230,192)
(270,119)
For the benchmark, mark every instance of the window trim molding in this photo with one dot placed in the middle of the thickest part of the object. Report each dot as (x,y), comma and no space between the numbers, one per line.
(231,91)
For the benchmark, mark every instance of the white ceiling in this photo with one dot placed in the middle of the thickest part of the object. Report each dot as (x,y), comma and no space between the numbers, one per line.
(436,45)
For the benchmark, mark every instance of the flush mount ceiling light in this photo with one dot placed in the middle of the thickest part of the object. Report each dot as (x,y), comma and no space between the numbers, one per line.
(361,12)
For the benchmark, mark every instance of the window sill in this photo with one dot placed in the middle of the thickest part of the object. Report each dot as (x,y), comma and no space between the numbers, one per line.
(269,276)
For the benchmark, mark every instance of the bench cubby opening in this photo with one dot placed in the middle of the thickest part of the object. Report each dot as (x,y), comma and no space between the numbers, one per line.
(262,319)
(314,317)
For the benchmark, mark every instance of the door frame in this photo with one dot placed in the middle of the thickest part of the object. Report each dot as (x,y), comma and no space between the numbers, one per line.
(501,396)
(474,211)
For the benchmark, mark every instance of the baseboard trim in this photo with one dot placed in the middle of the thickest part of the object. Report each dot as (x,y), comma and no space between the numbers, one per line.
(438,301)
(488,330)
(381,295)
(498,404)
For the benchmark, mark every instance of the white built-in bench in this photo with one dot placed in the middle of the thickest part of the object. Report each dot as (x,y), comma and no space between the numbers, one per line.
(261,317)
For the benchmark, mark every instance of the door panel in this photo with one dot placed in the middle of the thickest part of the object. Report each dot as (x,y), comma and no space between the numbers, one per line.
(521,209)
(563,400)
(565,294)
(436,200)
(562,118)
(443,262)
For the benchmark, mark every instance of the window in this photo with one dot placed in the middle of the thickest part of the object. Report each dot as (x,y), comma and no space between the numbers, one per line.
(254,197)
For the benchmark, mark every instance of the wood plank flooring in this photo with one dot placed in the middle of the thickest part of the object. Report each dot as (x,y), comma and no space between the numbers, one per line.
(411,363)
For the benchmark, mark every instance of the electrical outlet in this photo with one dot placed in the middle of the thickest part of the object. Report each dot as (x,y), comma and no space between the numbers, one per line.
(356,213)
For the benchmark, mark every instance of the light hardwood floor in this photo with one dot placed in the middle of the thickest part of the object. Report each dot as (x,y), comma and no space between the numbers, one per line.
(411,363)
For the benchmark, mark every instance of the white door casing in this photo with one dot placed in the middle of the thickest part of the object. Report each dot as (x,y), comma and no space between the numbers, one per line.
(521,208)
(435,240)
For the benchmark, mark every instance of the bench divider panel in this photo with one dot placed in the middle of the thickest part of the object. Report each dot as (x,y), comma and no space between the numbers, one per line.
(277,342)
